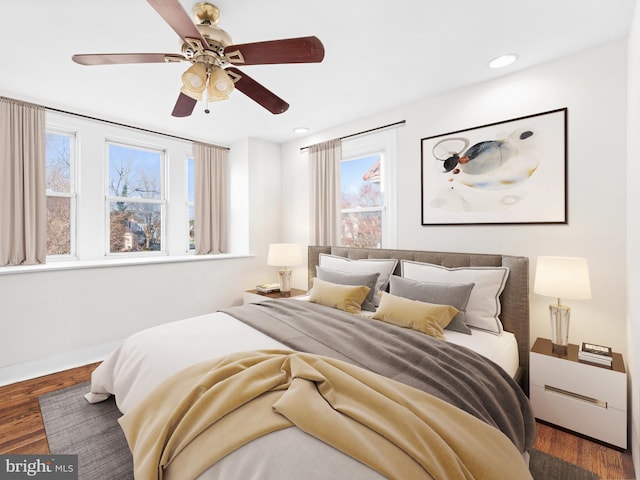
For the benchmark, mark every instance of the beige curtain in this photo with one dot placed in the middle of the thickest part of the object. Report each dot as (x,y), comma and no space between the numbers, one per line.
(325,192)
(211,199)
(23,201)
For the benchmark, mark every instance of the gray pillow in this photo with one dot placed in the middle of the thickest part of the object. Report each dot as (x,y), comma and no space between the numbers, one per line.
(343,278)
(455,294)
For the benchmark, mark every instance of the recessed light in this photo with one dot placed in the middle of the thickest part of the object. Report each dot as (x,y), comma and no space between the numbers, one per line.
(300,130)
(503,60)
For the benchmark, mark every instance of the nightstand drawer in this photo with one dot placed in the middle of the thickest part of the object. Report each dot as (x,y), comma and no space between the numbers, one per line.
(595,420)
(602,384)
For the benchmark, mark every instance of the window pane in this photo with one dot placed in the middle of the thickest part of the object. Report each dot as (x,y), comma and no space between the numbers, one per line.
(58,161)
(362,229)
(134,173)
(135,227)
(58,225)
(361,189)
(192,215)
(360,182)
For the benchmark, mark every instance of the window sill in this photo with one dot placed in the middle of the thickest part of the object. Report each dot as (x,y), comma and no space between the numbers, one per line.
(117,262)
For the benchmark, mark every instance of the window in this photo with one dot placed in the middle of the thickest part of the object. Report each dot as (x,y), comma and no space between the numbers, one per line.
(367,193)
(135,198)
(191,246)
(362,201)
(61,195)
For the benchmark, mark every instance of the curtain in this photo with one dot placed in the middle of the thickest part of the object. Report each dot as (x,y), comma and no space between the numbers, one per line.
(211,199)
(23,201)
(325,192)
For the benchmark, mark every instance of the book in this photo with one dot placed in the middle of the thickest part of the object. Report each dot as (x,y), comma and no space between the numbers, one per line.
(595,362)
(268,287)
(595,359)
(595,351)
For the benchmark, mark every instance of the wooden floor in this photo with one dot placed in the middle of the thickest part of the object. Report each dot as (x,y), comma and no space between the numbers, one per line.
(22,431)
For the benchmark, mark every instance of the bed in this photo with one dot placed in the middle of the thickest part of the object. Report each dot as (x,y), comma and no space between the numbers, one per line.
(303,386)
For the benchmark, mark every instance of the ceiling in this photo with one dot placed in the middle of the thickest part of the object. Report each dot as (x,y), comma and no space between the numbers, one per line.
(378,55)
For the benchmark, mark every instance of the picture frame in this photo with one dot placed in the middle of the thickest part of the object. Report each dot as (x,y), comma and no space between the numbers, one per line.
(508,172)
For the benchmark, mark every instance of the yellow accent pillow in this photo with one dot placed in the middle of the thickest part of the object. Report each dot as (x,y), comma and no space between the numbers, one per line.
(344,297)
(424,317)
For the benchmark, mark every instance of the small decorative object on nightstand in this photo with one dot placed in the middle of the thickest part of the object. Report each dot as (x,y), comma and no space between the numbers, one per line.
(561,277)
(254,296)
(284,255)
(587,399)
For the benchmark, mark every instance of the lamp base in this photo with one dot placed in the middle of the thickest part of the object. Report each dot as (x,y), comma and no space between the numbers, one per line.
(559,349)
(559,328)
(285,282)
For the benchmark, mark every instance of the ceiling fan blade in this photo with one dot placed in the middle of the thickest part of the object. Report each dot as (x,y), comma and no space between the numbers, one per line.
(119,58)
(184,106)
(257,92)
(178,19)
(289,50)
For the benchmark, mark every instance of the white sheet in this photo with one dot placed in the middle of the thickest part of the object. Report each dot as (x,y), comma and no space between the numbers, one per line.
(501,349)
(150,356)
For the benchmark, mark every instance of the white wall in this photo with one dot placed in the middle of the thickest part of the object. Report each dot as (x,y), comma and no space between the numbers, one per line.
(52,320)
(633,236)
(592,86)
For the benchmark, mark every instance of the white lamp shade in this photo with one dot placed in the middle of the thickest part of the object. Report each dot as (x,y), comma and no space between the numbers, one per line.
(284,254)
(562,277)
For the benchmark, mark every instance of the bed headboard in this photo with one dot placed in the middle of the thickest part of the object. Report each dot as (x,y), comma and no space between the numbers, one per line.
(514,299)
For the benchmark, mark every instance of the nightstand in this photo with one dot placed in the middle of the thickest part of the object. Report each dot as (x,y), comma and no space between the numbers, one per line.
(585,398)
(253,296)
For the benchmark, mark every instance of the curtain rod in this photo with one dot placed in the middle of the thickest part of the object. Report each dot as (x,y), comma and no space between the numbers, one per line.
(401,122)
(125,125)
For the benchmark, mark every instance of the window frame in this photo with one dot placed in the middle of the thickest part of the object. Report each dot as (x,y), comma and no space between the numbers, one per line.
(381,143)
(73,192)
(162,201)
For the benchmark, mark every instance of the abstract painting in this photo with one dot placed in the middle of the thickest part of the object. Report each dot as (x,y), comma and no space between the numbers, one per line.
(508,172)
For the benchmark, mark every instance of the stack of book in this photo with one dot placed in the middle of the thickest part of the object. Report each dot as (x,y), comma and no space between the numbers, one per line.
(596,354)
(268,287)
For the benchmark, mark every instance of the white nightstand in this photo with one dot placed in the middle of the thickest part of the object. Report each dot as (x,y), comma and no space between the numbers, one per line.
(253,296)
(585,398)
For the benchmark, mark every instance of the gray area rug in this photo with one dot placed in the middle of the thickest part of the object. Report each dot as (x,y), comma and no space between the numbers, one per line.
(74,426)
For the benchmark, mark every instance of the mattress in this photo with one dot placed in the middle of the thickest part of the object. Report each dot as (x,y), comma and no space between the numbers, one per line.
(156,353)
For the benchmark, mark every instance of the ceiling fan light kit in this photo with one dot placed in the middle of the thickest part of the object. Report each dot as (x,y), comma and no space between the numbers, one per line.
(210,51)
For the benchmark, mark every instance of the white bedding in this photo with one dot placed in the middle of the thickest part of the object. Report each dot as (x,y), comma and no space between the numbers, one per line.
(148,357)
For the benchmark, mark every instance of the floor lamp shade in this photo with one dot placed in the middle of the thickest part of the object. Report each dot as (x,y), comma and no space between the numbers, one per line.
(284,255)
(562,277)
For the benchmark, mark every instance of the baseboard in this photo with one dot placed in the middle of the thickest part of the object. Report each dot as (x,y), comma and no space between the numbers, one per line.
(55,363)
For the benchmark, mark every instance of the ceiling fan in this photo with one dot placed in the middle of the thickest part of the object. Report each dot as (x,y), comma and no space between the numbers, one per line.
(209,50)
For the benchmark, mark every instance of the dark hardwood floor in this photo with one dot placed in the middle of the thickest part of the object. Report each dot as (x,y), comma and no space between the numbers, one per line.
(22,431)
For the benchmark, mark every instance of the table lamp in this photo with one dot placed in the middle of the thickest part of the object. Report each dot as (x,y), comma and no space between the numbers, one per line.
(284,255)
(561,277)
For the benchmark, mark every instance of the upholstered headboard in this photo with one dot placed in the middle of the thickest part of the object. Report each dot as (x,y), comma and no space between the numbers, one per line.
(514,299)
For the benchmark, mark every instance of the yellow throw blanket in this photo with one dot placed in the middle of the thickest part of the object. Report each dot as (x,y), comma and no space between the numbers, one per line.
(210,409)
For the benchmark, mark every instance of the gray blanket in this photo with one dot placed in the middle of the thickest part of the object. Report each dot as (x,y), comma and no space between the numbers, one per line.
(450,372)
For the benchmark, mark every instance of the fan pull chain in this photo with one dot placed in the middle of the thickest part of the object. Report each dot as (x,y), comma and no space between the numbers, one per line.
(206,93)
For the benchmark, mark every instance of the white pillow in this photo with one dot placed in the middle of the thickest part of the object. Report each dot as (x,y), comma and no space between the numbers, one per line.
(483,307)
(382,266)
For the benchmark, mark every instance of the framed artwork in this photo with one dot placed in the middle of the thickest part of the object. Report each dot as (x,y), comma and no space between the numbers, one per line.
(508,172)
